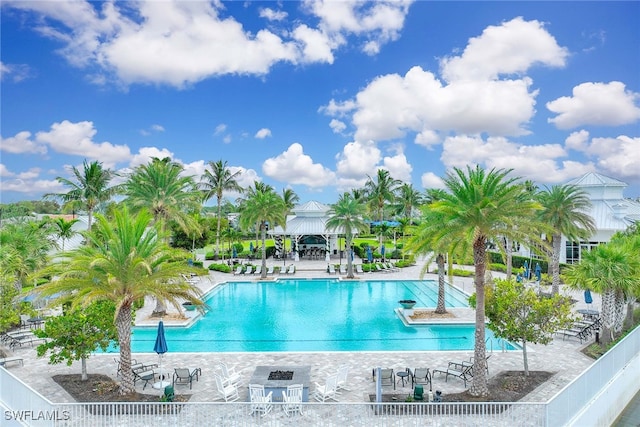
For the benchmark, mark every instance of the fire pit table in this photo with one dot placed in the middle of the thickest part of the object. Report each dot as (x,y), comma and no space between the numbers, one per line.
(277,378)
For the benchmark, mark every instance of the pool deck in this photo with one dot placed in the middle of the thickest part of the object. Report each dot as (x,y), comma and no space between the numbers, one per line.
(561,356)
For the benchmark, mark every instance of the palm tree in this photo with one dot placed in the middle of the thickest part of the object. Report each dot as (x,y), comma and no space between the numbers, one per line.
(380,192)
(127,259)
(408,199)
(564,210)
(90,188)
(347,213)
(263,207)
(290,200)
(258,187)
(476,207)
(159,188)
(63,229)
(613,271)
(214,183)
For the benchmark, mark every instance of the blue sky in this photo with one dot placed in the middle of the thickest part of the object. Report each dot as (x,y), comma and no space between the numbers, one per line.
(316,96)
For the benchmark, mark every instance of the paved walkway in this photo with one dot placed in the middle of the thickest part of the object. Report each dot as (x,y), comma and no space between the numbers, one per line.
(561,356)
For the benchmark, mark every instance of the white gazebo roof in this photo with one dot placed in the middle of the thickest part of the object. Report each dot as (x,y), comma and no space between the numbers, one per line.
(308,219)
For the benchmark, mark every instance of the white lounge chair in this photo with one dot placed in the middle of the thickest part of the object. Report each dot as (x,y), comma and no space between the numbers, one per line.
(332,269)
(292,269)
(248,270)
(359,269)
(193,280)
(343,269)
(229,374)
(260,402)
(6,360)
(238,270)
(270,270)
(341,379)
(258,270)
(292,399)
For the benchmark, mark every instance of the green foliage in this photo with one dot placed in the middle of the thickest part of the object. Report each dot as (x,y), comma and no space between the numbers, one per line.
(9,314)
(199,239)
(518,314)
(223,268)
(459,272)
(498,267)
(209,256)
(401,263)
(77,333)
(239,247)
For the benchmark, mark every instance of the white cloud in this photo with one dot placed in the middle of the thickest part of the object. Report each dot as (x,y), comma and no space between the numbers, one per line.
(398,166)
(4,171)
(77,139)
(337,126)
(618,156)
(22,143)
(577,140)
(14,72)
(598,104)
(157,128)
(263,133)
(356,161)
(152,128)
(227,139)
(338,108)
(146,153)
(316,45)
(427,138)
(295,167)
(221,128)
(247,176)
(431,180)
(34,187)
(510,48)
(273,15)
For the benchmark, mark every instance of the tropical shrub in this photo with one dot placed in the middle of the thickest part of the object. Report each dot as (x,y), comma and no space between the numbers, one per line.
(223,268)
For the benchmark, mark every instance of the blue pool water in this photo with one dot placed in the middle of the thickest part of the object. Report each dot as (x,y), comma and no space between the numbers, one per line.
(315,315)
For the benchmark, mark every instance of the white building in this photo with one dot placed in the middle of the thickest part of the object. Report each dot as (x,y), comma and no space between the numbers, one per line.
(610,211)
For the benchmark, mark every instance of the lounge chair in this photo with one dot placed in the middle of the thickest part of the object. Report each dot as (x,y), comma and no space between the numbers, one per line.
(189,279)
(392,267)
(248,270)
(228,391)
(421,376)
(326,391)
(292,399)
(387,377)
(185,376)
(292,269)
(6,360)
(379,269)
(238,270)
(343,269)
(260,402)
(258,270)
(228,374)
(270,270)
(359,269)
(464,371)
(332,269)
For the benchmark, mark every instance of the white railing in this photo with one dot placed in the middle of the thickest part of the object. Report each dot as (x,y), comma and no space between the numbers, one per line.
(32,409)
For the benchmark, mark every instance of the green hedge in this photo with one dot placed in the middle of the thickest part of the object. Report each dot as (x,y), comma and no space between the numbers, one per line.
(223,268)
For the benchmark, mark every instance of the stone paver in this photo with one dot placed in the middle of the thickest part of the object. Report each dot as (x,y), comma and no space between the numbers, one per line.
(561,356)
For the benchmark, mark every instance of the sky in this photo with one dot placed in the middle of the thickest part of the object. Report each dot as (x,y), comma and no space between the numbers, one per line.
(317,96)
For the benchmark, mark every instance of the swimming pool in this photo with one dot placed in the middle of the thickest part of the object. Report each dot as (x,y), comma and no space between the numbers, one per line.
(315,315)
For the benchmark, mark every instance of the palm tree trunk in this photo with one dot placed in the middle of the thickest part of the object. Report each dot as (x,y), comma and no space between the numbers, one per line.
(608,315)
(508,249)
(479,386)
(160,309)
(349,262)
(123,325)
(555,264)
(218,229)
(263,271)
(440,309)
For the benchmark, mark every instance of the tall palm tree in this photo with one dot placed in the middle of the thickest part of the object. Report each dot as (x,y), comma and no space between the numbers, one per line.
(63,229)
(613,271)
(263,207)
(90,188)
(250,192)
(565,210)
(347,213)
(159,187)
(381,192)
(217,179)
(476,207)
(290,198)
(127,259)
(408,199)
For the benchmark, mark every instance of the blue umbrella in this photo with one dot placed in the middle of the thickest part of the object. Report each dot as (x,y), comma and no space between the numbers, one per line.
(587,297)
(160,347)
(526,269)
(369,254)
(382,251)
(250,246)
(234,252)
(538,271)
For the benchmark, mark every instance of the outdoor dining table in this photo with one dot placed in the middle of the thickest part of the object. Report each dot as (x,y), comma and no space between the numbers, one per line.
(588,313)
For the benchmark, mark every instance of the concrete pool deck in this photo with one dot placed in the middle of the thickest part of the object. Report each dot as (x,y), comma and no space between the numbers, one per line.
(561,356)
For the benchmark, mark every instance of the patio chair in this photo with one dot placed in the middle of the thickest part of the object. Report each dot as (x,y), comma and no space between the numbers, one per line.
(228,391)
(421,376)
(238,270)
(292,269)
(260,402)
(184,376)
(270,270)
(248,270)
(359,269)
(343,269)
(392,267)
(327,391)
(188,279)
(258,270)
(341,380)
(292,399)
(11,359)
(464,371)
(145,376)
(387,377)
(229,374)
(332,269)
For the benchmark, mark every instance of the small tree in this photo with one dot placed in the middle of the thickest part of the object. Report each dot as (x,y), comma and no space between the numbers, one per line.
(518,314)
(78,333)
(9,314)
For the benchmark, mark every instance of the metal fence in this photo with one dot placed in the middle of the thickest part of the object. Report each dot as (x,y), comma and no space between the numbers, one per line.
(31,409)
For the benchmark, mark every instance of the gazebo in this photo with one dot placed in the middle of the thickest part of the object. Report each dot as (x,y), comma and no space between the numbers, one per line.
(310,238)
